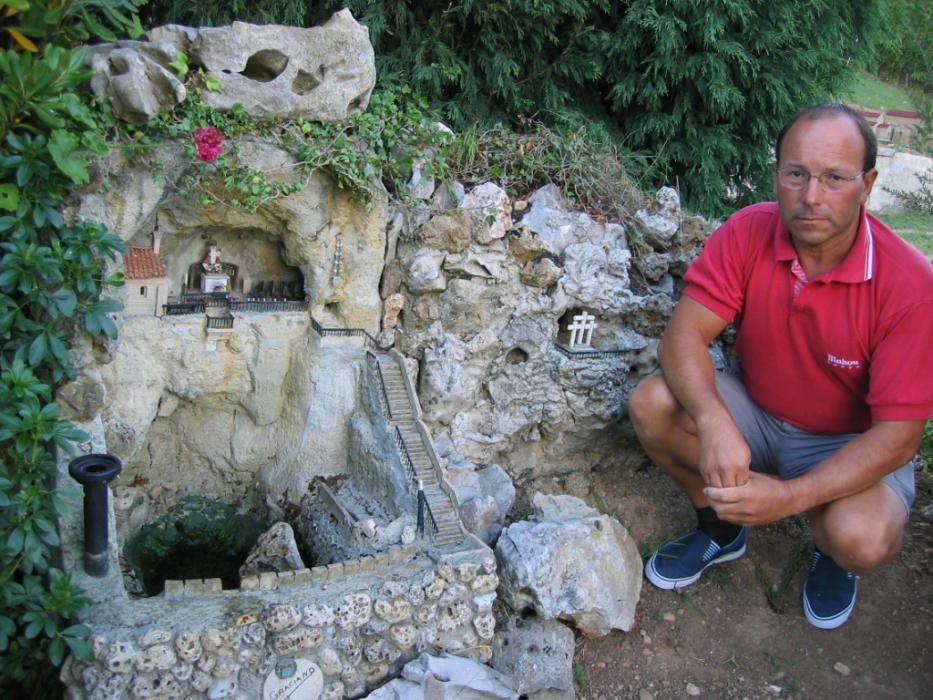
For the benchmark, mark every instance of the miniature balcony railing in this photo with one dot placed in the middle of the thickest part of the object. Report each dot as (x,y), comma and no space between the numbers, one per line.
(219,322)
(196,307)
(267,305)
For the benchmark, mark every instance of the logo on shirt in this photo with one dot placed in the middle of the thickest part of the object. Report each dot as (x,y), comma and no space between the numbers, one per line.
(841,362)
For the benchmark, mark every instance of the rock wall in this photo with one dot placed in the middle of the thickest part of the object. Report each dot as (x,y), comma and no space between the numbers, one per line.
(488,293)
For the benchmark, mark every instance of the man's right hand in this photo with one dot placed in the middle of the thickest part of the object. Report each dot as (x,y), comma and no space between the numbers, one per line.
(724,454)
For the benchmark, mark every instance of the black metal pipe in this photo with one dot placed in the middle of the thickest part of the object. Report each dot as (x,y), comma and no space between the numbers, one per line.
(94,472)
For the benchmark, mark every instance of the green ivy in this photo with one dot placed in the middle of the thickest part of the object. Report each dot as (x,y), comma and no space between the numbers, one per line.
(370,152)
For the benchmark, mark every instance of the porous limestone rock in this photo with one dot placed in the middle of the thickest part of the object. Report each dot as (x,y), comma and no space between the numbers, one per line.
(322,73)
(660,222)
(275,550)
(485,496)
(538,656)
(571,563)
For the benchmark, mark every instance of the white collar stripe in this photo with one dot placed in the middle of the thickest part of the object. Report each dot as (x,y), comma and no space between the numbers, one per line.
(870,250)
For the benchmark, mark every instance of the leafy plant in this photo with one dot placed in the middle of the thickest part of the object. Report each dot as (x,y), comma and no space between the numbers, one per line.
(51,278)
(919,200)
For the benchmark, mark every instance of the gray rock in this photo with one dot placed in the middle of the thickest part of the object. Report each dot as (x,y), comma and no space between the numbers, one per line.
(538,656)
(488,208)
(276,550)
(485,496)
(451,233)
(541,273)
(584,569)
(324,73)
(424,273)
(135,78)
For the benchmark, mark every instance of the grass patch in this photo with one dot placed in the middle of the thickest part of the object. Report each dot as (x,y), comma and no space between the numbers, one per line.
(874,93)
(914,227)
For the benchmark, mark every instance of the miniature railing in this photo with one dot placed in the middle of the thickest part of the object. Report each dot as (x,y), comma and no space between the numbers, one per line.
(409,466)
(589,354)
(219,322)
(183,309)
(425,507)
(384,394)
(267,305)
(405,458)
(211,299)
(369,341)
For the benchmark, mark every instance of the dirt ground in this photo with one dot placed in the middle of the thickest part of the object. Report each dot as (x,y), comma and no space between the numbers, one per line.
(740,631)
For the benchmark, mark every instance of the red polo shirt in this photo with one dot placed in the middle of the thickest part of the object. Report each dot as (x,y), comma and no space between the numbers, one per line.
(852,347)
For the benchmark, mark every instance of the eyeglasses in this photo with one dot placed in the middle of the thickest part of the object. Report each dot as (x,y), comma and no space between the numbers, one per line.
(797,179)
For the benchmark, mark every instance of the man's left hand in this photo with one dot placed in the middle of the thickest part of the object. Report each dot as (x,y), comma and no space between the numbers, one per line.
(762,499)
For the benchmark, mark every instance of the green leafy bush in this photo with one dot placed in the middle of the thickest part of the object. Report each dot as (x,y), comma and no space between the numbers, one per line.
(51,277)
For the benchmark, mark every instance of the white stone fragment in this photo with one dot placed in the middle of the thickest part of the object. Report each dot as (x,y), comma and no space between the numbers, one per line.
(317,615)
(279,618)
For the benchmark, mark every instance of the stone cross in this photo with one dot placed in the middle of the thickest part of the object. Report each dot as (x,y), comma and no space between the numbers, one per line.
(581,330)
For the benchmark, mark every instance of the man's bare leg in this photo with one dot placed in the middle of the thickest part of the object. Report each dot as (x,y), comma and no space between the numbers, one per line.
(861,532)
(668,435)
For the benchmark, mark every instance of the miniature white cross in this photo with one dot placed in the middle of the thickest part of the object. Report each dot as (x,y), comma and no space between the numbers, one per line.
(581,330)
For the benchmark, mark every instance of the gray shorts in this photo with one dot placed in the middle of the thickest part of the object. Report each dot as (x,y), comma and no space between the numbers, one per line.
(785,450)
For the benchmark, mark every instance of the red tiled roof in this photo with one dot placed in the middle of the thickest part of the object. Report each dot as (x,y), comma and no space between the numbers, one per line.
(142,264)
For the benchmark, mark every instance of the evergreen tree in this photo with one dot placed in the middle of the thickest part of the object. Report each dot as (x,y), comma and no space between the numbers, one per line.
(700,85)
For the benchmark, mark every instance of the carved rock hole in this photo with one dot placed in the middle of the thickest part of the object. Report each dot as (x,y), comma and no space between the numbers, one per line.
(265,66)
(118,65)
(516,356)
(304,83)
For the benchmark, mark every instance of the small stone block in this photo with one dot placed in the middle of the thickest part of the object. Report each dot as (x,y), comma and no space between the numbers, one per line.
(397,555)
(247,619)
(268,580)
(194,586)
(335,570)
(213,585)
(367,563)
(285,578)
(174,588)
(249,583)
(318,574)
(303,577)
(351,567)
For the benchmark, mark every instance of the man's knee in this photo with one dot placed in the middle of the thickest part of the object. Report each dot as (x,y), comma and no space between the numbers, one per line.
(859,542)
(651,405)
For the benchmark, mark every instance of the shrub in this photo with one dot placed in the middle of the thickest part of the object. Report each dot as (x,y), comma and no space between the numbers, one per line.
(51,277)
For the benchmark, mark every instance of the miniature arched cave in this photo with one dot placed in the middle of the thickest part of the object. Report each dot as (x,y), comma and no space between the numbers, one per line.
(246,264)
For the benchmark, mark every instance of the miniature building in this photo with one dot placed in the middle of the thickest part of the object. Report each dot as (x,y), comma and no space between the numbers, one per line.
(146,280)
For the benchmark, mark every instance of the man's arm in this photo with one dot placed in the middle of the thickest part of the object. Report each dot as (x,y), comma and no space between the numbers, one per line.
(861,463)
(689,373)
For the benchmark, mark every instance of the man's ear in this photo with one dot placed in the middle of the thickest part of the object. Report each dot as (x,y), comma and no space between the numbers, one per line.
(868,181)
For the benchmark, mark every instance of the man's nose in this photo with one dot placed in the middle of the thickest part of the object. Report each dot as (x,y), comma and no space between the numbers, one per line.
(813,190)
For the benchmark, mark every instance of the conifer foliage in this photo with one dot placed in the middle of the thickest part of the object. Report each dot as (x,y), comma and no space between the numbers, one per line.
(702,86)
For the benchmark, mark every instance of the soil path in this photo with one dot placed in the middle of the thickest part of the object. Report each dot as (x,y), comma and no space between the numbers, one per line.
(740,631)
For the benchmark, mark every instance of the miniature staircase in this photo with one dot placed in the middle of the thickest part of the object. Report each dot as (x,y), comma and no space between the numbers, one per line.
(402,415)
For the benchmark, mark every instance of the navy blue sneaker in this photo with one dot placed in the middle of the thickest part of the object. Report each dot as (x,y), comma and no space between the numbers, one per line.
(829,593)
(681,562)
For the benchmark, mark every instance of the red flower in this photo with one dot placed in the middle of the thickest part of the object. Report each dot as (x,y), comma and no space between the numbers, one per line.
(208,141)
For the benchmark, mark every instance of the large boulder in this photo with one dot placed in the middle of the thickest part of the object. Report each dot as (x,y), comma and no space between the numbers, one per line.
(571,563)
(322,73)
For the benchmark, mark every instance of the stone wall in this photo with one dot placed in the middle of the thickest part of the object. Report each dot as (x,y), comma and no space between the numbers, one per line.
(348,626)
